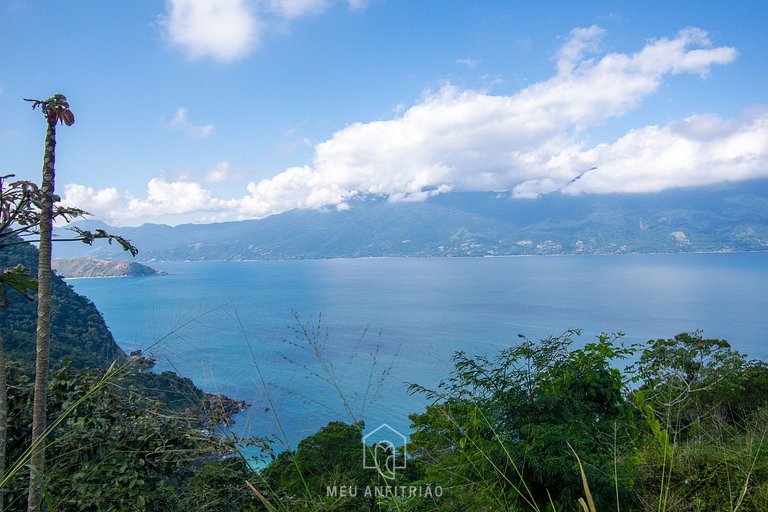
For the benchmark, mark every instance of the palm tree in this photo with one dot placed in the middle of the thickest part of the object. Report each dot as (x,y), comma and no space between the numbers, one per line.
(55,109)
(20,216)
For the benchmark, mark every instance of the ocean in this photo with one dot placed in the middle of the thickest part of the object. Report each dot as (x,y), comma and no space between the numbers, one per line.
(310,341)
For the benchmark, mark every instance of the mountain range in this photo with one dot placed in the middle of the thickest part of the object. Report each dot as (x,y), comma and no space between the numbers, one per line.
(726,217)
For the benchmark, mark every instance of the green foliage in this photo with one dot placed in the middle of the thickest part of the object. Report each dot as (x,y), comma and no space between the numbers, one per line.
(78,329)
(503,426)
(689,379)
(723,466)
(704,406)
(55,109)
(17,278)
(454,446)
(19,426)
(331,457)
(88,237)
(120,450)
(689,435)
(219,485)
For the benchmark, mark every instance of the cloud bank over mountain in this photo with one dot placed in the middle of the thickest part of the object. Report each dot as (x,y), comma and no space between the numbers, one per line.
(529,143)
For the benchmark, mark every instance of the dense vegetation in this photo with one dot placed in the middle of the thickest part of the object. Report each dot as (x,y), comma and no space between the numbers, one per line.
(682,429)
(128,438)
(120,449)
(79,332)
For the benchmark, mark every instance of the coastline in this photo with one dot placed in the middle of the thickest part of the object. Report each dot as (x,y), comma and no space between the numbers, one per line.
(437,257)
(109,277)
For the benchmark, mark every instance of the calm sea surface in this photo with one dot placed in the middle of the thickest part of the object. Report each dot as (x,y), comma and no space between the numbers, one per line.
(315,340)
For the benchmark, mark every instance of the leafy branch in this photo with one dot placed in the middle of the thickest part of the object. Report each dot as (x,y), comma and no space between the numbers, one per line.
(55,109)
(20,206)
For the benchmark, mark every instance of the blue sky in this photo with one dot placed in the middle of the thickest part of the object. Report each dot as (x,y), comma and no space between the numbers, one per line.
(211,110)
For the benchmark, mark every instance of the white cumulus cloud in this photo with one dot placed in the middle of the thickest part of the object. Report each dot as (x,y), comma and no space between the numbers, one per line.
(528,143)
(165,200)
(470,140)
(227,30)
(700,150)
(222,29)
(582,41)
(89,198)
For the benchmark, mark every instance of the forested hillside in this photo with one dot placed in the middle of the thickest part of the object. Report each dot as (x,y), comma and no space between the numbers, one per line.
(78,333)
(125,437)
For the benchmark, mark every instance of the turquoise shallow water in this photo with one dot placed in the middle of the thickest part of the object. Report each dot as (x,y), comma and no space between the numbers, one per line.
(232,326)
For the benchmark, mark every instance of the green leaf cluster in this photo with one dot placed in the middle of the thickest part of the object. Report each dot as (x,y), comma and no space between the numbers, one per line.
(503,424)
(331,457)
(122,450)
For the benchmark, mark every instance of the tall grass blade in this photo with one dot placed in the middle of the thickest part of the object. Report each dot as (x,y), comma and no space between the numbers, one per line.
(585,484)
(262,499)
(749,475)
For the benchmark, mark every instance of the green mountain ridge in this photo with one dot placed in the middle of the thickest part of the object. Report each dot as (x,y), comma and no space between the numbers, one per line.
(722,218)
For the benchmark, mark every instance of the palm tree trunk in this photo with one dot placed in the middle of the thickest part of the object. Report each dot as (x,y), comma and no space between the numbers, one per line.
(42,345)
